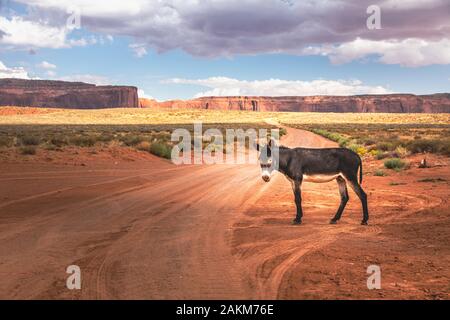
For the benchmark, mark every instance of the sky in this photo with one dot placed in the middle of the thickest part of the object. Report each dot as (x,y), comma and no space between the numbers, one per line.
(181,49)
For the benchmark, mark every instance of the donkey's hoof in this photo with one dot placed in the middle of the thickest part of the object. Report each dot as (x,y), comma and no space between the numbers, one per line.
(296,222)
(364,223)
(332,221)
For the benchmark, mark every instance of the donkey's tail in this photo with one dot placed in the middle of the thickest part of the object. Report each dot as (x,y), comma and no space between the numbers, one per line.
(360,171)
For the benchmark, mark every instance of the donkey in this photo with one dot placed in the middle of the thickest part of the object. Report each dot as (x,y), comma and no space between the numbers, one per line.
(315,165)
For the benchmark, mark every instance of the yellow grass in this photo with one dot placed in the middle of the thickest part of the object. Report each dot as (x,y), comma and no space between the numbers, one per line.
(147,116)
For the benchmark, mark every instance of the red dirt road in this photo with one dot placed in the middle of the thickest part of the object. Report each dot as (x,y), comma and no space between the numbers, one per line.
(152,230)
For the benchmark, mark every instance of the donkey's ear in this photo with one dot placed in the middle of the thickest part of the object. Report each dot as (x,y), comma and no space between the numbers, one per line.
(272,142)
(256,144)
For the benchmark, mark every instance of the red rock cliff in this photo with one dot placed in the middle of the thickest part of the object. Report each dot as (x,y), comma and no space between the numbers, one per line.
(62,94)
(399,103)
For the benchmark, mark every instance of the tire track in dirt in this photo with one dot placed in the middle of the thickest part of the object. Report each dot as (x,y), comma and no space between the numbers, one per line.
(197,232)
(110,265)
(268,267)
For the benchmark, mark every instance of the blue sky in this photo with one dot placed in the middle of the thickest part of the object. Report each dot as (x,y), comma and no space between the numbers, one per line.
(224,59)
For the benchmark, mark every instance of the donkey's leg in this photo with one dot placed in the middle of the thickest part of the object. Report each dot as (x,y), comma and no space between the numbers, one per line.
(362,196)
(298,200)
(344,199)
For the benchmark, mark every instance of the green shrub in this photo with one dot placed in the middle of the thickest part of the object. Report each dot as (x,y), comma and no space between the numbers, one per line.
(143,146)
(30,140)
(368,141)
(28,150)
(394,163)
(343,142)
(105,137)
(282,132)
(6,141)
(385,146)
(132,140)
(83,141)
(379,173)
(59,141)
(432,146)
(161,149)
(445,148)
(432,180)
(336,137)
(51,147)
(382,155)
(401,152)
(397,183)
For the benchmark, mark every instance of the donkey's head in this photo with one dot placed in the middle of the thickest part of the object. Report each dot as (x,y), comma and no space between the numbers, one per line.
(267,159)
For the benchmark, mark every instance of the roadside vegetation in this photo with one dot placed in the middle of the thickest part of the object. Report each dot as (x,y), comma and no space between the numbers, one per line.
(395,164)
(377,135)
(154,139)
(387,141)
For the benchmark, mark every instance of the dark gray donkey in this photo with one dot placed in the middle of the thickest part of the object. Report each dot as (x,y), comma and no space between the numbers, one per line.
(315,165)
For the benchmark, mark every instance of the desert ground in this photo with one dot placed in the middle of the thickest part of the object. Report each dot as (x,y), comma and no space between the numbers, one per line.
(141,227)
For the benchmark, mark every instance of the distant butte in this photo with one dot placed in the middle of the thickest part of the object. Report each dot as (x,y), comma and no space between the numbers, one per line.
(389,103)
(63,94)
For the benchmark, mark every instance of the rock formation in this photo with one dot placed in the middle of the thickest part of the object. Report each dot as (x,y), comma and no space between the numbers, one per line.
(395,103)
(79,95)
(62,94)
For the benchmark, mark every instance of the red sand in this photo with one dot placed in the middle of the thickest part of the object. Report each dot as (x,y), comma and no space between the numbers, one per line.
(141,227)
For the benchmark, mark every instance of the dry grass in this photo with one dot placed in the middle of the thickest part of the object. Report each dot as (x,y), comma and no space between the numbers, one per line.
(161,117)
(376,134)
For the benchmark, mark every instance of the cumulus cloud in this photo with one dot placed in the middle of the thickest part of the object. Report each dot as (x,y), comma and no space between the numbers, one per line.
(18,32)
(37,30)
(138,49)
(22,73)
(142,94)
(223,86)
(409,52)
(14,72)
(88,78)
(46,65)
(227,27)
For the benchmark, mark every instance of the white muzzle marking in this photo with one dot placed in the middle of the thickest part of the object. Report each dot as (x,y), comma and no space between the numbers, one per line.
(266,176)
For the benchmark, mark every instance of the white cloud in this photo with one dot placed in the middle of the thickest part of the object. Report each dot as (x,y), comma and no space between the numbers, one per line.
(141,94)
(14,72)
(138,49)
(46,65)
(408,52)
(223,86)
(19,33)
(87,78)
(51,74)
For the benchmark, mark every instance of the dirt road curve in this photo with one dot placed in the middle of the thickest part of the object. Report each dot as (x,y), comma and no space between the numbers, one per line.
(154,230)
